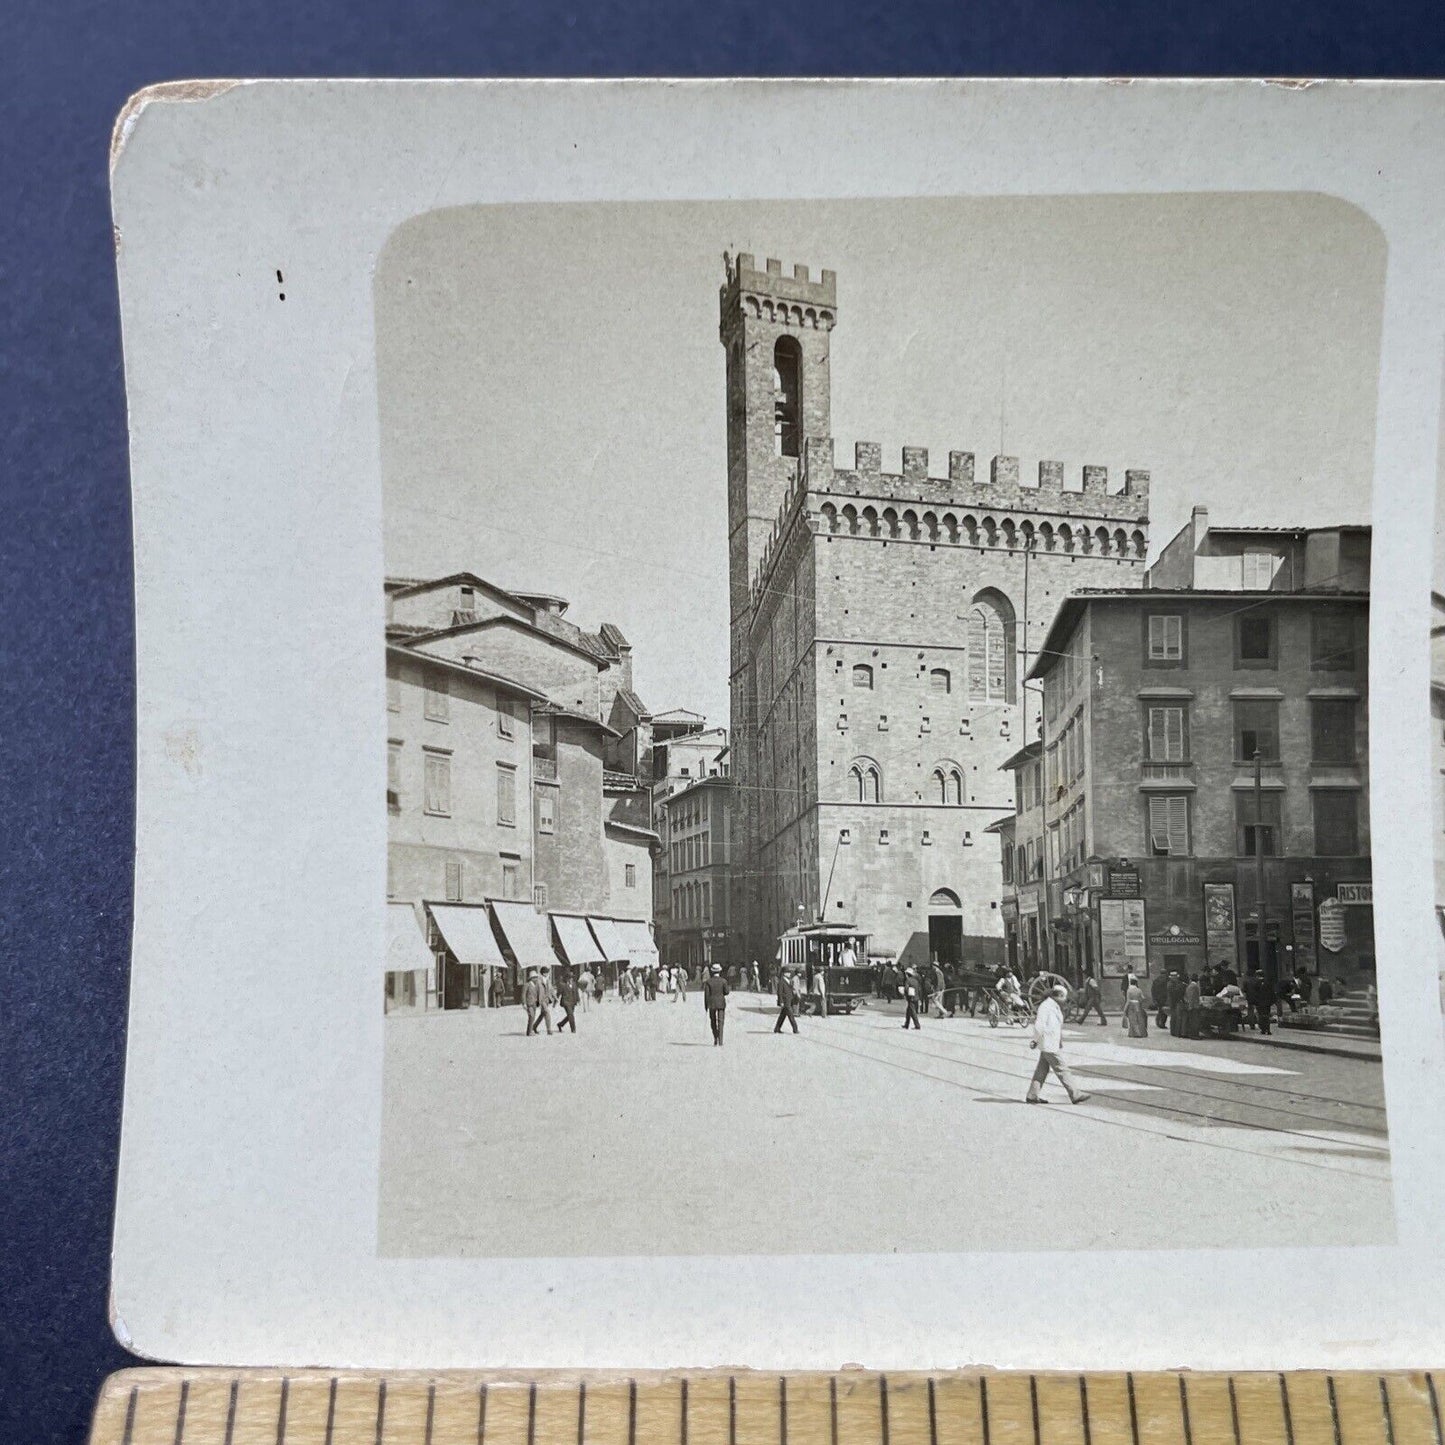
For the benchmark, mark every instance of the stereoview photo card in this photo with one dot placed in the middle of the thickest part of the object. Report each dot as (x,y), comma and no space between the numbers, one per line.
(900,837)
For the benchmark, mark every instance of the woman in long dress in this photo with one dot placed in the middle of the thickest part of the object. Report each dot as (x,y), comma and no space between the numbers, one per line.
(1135,1014)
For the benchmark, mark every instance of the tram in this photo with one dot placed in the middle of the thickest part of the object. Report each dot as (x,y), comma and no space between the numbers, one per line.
(840,951)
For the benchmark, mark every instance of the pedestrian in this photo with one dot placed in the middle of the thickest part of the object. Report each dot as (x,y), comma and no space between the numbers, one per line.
(1092,1000)
(1176,1003)
(1136,1016)
(787,997)
(911,995)
(940,984)
(715,1000)
(584,989)
(757,978)
(1049,1041)
(567,995)
(538,998)
(597,986)
(1159,998)
(820,992)
(1193,1000)
(1259,998)
(682,982)
(1325,991)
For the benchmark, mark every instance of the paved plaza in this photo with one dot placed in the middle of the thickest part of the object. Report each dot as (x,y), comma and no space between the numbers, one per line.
(637,1136)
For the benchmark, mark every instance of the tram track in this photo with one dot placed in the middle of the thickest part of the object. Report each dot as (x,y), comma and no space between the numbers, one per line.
(1161,1111)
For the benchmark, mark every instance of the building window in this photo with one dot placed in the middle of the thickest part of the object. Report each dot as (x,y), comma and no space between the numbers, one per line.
(1332,640)
(539,897)
(393,777)
(1256,730)
(630,875)
(437,706)
(1164,639)
(546,810)
(706,902)
(438,780)
(1255,640)
(454,880)
(1007,861)
(990,636)
(506,796)
(883,835)
(1257,571)
(940,680)
(1332,730)
(1169,825)
(925,725)
(1337,824)
(882,722)
(511,876)
(865,782)
(947,785)
(1257,834)
(393,694)
(506,717)
(863,676)
(787,396)
(1167,734)
(1021,864)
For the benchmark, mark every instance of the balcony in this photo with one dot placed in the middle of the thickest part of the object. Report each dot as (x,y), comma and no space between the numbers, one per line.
(1173,775)
(544,763)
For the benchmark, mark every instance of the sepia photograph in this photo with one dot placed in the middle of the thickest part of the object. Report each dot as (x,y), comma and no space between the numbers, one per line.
(836,702)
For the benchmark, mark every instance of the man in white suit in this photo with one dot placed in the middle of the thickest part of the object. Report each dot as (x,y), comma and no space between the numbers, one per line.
(1049,1041)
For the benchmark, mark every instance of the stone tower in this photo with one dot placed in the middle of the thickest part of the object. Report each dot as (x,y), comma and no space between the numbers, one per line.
(883,624)
(775,330)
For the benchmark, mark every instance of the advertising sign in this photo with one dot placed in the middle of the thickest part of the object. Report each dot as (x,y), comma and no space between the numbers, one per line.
(1124,883)
(1355,893)
(1221,938)
(1122,943)
(1332,925)
(1174,934)
(1302,912)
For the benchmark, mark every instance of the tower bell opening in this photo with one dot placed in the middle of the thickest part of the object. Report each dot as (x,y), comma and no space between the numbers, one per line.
(787,396)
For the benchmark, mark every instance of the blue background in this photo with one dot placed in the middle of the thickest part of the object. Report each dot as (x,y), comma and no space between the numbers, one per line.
(66,635)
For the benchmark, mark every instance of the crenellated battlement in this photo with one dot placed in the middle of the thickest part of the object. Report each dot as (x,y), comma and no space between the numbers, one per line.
(1054,512)
(792,299)
(1048,486)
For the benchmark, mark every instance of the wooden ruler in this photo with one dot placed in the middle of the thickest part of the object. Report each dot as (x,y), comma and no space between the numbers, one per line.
(175,1406)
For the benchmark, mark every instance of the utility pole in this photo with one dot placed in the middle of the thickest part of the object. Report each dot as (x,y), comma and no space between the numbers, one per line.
(1266,963)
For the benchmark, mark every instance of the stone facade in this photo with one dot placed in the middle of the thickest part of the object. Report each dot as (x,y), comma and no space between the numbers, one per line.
(881,623)
(1155,703)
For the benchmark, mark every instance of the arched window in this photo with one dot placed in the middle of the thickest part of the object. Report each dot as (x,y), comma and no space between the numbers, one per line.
(865,781)
(787,396)
(863,676)
(947,785)
(940,680)
(991,659)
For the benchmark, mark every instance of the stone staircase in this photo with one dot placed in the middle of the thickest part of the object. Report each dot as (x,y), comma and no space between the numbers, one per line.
(1349,1015)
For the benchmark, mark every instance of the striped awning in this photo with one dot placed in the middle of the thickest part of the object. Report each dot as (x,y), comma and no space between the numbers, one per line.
(527,933)
(614,950)
(406,948)
(467,930)
(575,939)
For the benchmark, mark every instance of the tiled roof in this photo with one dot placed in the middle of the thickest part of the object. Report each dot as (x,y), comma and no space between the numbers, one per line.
(555,709)
(628,781)
(612,636)
(631,701)
(406,629)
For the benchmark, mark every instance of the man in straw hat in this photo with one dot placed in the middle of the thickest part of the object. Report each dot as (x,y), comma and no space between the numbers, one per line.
(715,1000)
(1049,1041)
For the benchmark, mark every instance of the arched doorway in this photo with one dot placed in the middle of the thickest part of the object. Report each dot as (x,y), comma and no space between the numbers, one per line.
(945,928)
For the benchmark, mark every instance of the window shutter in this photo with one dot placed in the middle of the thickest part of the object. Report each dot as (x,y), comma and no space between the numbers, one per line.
(1178,814)
(1159,824)
(454,880)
